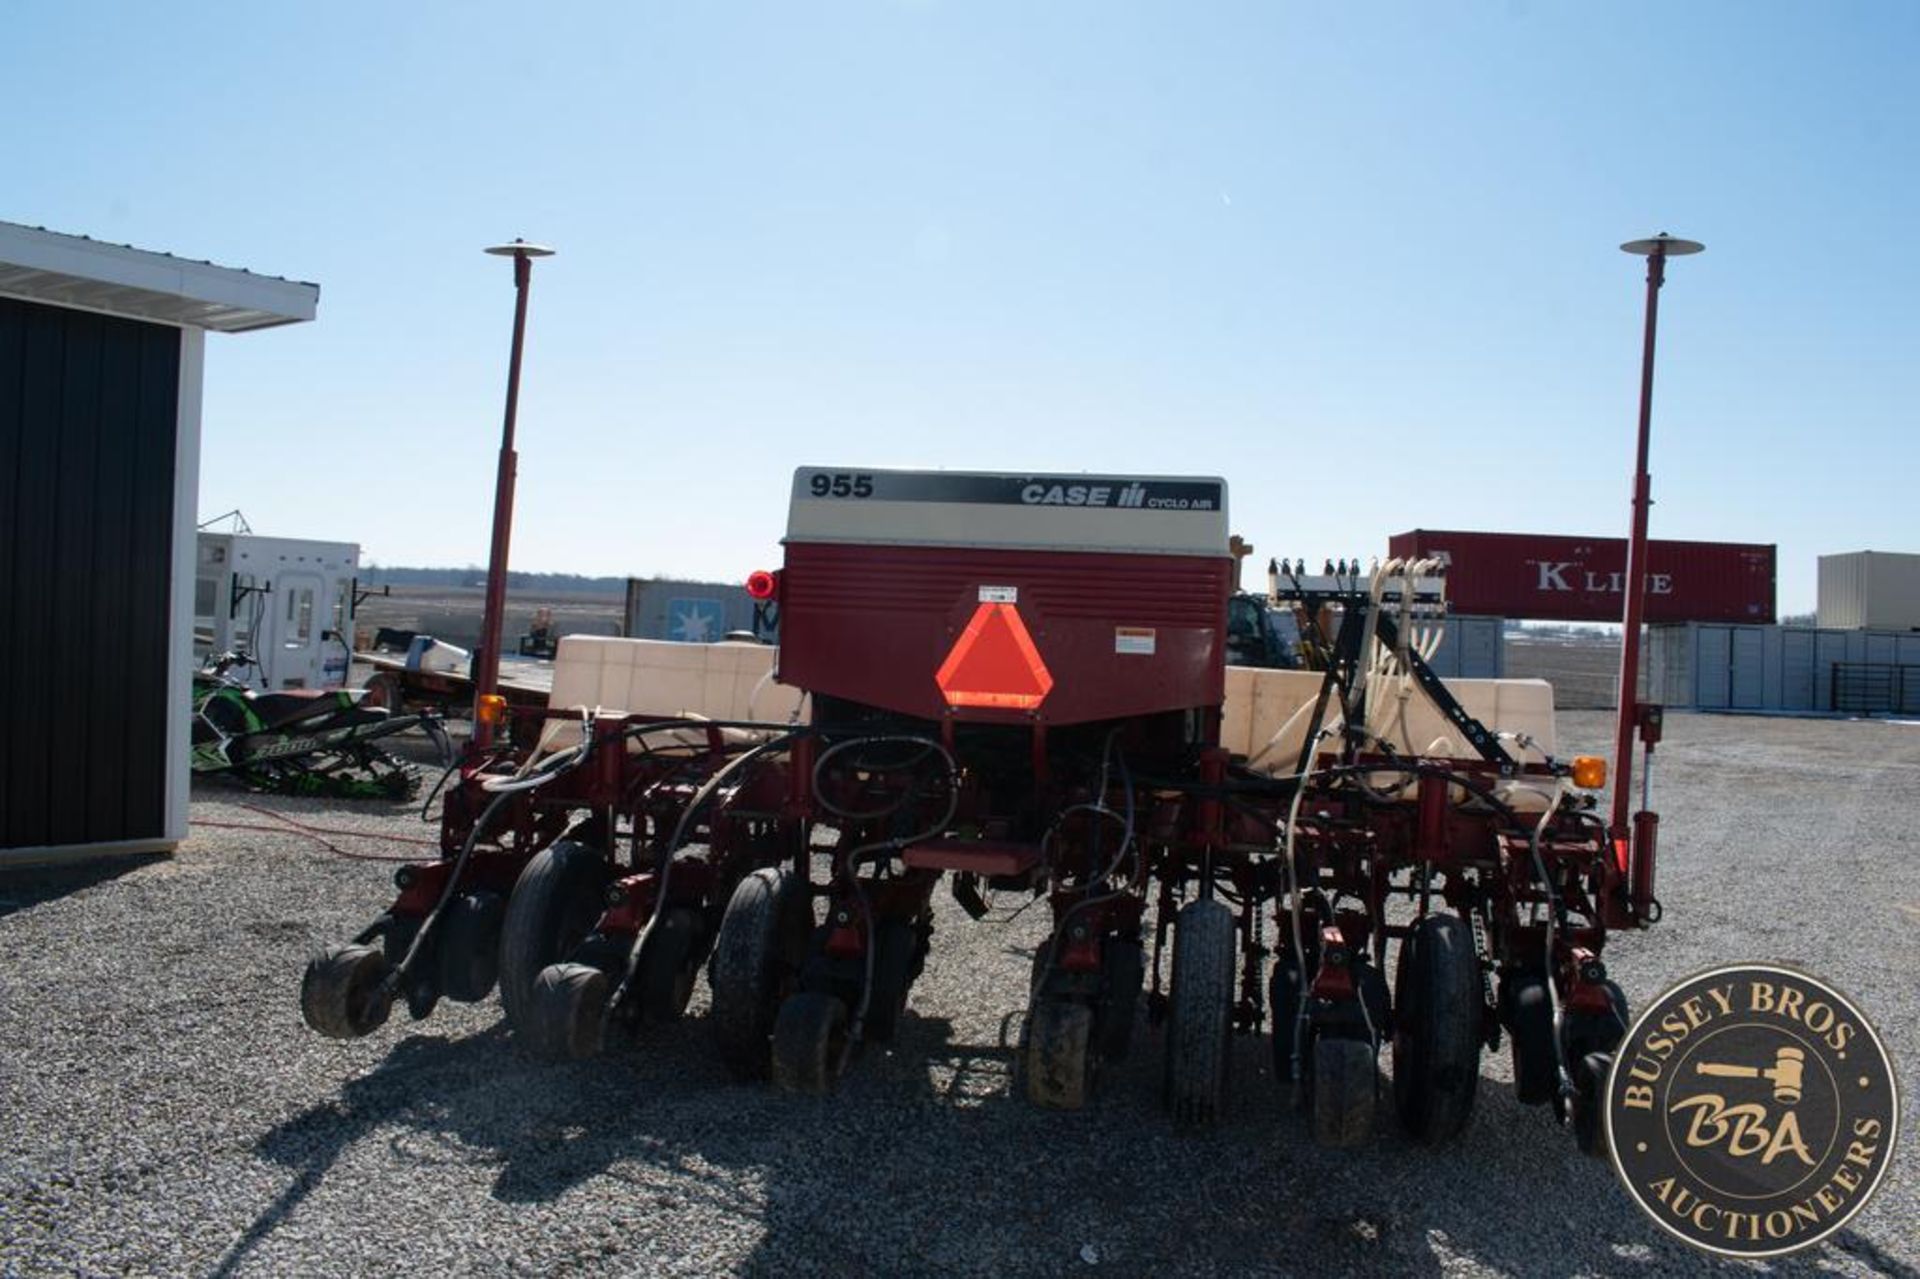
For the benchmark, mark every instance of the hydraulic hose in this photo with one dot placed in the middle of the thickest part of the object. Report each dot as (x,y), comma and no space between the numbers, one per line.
(502,789)
(1294,918)
(1555,910)
(850,864)
(664,861)
(1090,898)
(397,975)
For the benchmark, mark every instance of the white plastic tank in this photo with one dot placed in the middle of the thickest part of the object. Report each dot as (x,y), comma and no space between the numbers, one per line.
(429,654)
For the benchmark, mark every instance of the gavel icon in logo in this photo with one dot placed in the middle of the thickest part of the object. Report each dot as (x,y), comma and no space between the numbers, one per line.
(1787,1073)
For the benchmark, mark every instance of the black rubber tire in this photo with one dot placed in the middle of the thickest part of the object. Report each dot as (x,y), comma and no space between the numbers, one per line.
(1437,1028)
(422,992)
(608,954)
(469,946)
(396,935)
(383,691)
(1529,1018)
(341,993)
(1589,1100)
(1583,1033)
(556,901)
(1283,1004)
(667,970)
(1037,971)
(568,1013)
(1200,1013)
(893,954)
(809,1036)
(1058,1067)
(1345,1081)
(756,960)
(1123,972)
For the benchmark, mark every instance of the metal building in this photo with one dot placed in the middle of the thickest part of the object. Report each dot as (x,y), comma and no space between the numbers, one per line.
(100,366)
(1870,590)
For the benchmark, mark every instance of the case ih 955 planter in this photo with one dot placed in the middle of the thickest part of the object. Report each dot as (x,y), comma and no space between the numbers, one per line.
(1019,683)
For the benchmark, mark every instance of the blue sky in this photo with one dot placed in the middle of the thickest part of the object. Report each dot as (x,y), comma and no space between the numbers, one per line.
(1359,259)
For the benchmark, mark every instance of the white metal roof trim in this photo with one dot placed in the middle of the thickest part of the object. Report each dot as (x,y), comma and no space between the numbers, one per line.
(47,266)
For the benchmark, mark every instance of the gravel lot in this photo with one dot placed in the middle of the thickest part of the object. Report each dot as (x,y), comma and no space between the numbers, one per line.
(164,1111)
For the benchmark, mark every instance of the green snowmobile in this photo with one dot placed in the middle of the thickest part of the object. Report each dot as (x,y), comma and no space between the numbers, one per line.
(301,741)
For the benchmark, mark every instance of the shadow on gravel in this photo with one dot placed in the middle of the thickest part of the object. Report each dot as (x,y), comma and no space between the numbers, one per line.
(1871,1255)
(414,1074)
(30,886)
(928,1161)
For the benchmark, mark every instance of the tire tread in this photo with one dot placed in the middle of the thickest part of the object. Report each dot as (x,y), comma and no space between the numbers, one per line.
(1200,1024)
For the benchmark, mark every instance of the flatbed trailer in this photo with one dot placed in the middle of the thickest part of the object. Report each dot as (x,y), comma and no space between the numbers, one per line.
(525,684)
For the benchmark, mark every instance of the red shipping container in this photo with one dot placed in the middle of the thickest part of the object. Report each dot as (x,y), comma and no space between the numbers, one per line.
(1582,579)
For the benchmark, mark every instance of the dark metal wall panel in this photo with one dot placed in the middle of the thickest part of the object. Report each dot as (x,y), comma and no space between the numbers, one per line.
(150,577)
(68,678)
(13,336)
(111,575)
(88,417)
(31,605)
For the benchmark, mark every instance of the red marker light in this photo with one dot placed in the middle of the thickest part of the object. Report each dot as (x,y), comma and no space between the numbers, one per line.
(761,584)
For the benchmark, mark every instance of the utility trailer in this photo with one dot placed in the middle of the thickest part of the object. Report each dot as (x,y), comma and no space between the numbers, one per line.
(1018,684)
(412,672)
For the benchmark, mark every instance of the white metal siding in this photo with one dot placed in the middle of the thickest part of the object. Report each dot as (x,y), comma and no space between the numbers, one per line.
(1893,591)
(1841,590)
(1665,672)
(1870,590)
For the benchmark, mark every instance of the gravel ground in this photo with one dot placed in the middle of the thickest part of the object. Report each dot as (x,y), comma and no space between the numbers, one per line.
(164,1111)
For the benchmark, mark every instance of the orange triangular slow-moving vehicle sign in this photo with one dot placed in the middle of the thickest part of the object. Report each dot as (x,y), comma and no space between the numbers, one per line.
(994,663)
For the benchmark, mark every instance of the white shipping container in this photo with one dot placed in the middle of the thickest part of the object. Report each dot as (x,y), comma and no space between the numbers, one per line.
(1472,648)
(1870,590)
(1762,668)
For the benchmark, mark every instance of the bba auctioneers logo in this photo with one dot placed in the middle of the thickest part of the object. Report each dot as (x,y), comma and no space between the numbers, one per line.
(1752,1110)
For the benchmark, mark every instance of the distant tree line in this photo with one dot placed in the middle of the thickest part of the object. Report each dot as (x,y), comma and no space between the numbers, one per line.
(475,576)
